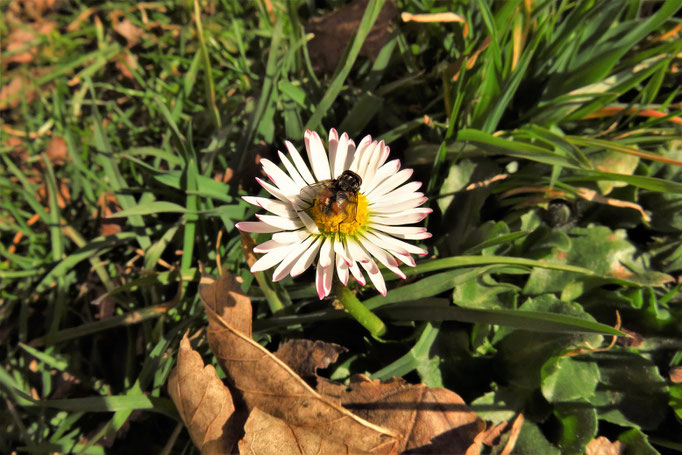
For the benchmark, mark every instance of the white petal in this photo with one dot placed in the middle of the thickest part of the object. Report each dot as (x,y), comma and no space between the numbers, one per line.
(341,154)
(412,249)
(384,257)
(373,159)
(308,222)
(285,184)
(288,263)
(391,183)
(375,276)
(365,156)
(359,153)
(357,273)
(404,192)
(293,172)
(271,205)
(357,253)
(406,259)
(327,253)
(269,246)
(342,270)
(408,232)
(300,164)
(256,226)
(350,154)
(333,146)
(384,156)
(274,191)
(317,156)
(272,257)
(290,236)
(323,281)
(386,243)
(288,224)
(380,175)
(306,258)
(399,205)
(408,217)
(340,250)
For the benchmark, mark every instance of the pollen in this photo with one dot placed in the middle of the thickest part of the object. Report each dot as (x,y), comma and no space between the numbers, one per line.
(346,222)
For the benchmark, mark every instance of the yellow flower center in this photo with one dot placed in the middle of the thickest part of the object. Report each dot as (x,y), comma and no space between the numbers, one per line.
(347,221)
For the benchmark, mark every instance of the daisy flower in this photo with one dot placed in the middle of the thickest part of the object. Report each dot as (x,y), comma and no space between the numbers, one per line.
(347,221)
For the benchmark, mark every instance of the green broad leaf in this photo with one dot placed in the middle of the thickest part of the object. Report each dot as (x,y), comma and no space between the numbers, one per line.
(523,354)
(637,442)
(418,358)
(615,163)
(568,379)
(578,426)
(607,253)
(502,404)
(532,441)
(631,393)
(458,177)
(150,208)
(481,293)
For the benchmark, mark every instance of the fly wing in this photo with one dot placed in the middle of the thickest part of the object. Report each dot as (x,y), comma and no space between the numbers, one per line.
(312,192)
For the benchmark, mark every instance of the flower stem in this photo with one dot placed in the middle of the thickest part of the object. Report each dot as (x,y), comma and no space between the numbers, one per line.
(359,311)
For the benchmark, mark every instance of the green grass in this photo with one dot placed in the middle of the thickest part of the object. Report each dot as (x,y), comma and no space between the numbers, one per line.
(546,104)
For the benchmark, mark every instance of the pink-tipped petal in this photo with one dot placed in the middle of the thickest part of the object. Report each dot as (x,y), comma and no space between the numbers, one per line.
(256,227)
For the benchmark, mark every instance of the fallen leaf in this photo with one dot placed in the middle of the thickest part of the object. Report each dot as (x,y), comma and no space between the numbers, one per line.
(285,411)
(18,88)
(265,434)
(675,375)
(260,380)
(126,62)
(203,402)
(57,151)
(125,28)
(23,41)
(430,420)
(602,446)
(306,356)
(333,31)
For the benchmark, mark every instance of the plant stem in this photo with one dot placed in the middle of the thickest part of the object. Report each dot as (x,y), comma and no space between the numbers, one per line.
(360,312)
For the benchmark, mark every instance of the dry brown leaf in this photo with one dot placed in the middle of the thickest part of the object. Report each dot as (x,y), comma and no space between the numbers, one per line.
(306,356)
(18,88)
(675,375)
(431,420)
(263,381)
(265,434)
(57,151)
(203,402)
(333,31)
(125,28)
(368,415)
(513,434)
(602,446)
